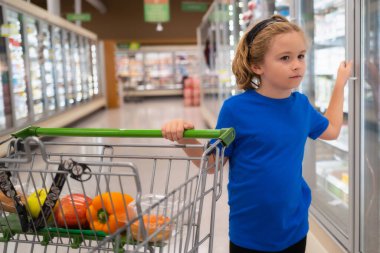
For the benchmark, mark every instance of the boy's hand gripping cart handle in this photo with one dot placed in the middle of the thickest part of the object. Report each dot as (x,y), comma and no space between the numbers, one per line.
(226,136)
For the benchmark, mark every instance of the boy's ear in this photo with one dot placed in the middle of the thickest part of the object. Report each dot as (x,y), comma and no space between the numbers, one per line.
(257,69)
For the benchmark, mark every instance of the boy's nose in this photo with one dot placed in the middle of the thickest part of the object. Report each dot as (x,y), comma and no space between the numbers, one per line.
(296,65)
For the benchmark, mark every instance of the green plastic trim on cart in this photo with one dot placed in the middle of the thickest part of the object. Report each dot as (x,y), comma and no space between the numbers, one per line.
(10,225)
(227,135)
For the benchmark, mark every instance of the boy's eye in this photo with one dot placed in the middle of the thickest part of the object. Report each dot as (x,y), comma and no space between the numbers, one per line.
(301,56)
(285,58)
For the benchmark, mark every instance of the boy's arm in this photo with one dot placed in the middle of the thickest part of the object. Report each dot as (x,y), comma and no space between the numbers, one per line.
(173,130)
(196,152)
(334,112)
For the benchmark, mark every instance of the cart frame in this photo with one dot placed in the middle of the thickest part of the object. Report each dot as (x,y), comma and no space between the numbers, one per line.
(188,196)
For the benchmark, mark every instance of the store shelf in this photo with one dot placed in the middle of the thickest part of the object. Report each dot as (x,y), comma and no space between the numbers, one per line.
(325,6)
(155,71)
(332,178)
(335,42)
(154,91)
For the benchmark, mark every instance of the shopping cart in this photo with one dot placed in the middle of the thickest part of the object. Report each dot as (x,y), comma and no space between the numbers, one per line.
(59,196)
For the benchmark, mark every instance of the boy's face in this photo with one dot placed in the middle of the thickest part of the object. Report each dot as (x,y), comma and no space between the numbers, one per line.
(284,63)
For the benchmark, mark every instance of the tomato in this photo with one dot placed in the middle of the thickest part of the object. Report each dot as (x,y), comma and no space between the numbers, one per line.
(66,211)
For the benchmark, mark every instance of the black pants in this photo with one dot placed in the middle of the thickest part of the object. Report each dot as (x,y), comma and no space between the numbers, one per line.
(299,247)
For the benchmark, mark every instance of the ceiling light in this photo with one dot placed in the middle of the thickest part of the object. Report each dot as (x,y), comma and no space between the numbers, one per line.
(159,27)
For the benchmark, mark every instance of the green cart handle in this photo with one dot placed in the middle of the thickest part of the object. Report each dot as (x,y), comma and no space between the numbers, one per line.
(226,135)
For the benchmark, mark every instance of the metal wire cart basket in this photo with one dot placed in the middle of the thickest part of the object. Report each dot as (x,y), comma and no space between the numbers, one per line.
(59,196)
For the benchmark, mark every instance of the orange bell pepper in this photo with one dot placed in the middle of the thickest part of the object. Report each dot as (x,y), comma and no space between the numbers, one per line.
(102,216)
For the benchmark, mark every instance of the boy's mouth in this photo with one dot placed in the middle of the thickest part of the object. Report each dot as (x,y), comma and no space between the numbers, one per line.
(295,77)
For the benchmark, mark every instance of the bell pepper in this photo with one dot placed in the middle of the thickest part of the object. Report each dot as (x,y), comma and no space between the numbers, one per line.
(107,212)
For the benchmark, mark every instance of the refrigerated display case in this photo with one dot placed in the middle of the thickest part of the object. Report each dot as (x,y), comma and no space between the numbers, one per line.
(76,67)
(88,66)
(68,69)
(130,69)
(218,35)
(155,71)
(328,165)
(5,93)
(5,103)
(33,66)
(328,171)
(19,92)
(36,68)
(45,56)
(159,69)
(56,34)
(370,125)
(83,68)
(94,64)
(2,110)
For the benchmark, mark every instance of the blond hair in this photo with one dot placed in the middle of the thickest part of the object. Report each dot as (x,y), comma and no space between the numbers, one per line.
(248,55)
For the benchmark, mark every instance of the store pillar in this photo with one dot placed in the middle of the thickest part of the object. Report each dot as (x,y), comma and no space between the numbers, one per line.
(112,88)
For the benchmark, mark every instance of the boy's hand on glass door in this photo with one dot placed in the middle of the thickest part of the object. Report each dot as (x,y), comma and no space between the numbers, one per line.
(344,72)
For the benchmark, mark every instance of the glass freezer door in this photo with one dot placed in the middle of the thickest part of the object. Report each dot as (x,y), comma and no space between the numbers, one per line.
(327,162)
(15,48)
(3,120)
(67,68)
(33,66)
(88,67)
(75,61)
(58,66)
(5,94)
(370,125)
(5,101)
(94,64)
(83,68)
(45,54)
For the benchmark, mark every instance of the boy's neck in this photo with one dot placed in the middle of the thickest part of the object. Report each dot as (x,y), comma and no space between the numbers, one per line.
(273,93)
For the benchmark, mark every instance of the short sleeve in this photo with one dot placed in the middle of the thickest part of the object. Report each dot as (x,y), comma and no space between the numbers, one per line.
(317,124)
(225,121)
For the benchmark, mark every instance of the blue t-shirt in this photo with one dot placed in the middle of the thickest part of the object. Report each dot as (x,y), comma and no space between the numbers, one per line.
(268,197)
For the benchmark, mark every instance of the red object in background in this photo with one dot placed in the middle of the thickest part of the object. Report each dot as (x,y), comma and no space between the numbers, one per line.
(14,42)
(187,93)
(251,5)
(187,102)
(196,93)
(191,92)
(188,82)
(196,101)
